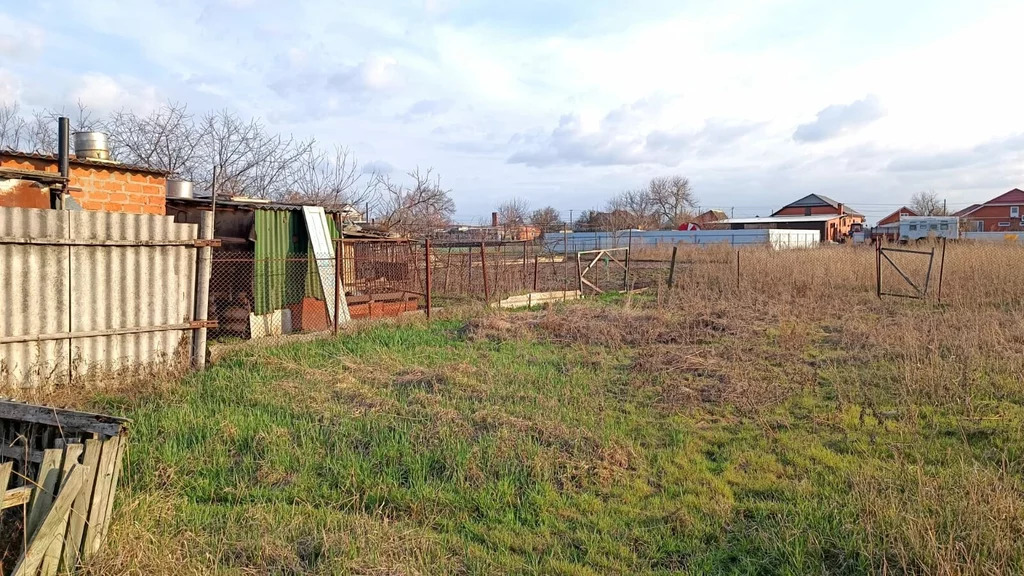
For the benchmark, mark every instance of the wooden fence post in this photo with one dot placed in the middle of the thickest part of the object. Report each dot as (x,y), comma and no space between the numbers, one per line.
(204,265)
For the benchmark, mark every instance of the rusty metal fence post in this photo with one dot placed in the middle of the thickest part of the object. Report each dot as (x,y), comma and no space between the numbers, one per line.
(942,267)
(339,275)
(428,276)
(737,270)
(672,268)
(483,270)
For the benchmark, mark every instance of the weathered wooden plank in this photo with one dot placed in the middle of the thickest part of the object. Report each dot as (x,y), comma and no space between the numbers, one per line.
(53,524)
(16,497)
(19,453)
(591,284)
(80,509)
(5,475)
(46,483)
(68,421)
(51,558)
(122,446)
(100,493)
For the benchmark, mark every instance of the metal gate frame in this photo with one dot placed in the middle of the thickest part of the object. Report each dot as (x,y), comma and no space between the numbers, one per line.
(921,292)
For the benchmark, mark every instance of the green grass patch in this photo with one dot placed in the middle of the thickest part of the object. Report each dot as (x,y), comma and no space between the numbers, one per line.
(418,449)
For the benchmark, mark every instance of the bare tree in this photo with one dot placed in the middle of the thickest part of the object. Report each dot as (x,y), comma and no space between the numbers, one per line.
(416,210)
(513,213)
(639,206)
(927,203)
(167,139)
(546,219)
(673,199)
(42,133)
(81,118)
(37,133)
(13,127)
(323,179)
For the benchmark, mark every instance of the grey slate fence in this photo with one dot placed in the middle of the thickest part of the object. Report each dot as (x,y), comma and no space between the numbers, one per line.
(83,293)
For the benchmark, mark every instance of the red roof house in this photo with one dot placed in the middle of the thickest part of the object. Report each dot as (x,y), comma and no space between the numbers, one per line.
(1004,213)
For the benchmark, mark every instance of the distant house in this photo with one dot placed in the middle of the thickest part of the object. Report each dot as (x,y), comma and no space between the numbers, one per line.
(710,216)
(831,219)
(896,216)
(1004,213)
(890,225)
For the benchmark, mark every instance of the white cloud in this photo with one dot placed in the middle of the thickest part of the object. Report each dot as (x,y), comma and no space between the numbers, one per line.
(10,87)
(595,96)
(20,39)
(104,93)
(838,119)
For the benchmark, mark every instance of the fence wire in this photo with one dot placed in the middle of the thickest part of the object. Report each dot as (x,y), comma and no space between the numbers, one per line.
(254,297)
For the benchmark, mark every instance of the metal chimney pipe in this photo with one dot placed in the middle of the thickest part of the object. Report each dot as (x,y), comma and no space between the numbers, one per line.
(63,145)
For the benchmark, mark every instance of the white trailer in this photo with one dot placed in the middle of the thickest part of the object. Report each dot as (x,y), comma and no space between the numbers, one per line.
(919,227)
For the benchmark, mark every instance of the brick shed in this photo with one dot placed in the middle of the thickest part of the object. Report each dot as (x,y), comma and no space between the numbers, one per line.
(102,185)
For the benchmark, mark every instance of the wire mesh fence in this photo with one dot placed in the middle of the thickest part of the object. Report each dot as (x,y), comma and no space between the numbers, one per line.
(253,296)
(962,273)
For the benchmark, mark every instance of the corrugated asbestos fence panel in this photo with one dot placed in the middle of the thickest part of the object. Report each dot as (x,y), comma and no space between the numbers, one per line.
(34,296)
(59,289)
(129,287)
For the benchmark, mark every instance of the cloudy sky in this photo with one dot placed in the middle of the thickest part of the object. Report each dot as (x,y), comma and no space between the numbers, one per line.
(567,102)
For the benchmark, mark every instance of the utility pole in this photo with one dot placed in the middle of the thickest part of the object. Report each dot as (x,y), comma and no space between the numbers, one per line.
(732,212)
(944,213)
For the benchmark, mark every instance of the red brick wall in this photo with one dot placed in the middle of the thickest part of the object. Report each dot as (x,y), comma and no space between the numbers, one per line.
(109,189)
(992,216)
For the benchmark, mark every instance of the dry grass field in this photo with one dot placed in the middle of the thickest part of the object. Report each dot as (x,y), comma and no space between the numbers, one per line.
(794,424)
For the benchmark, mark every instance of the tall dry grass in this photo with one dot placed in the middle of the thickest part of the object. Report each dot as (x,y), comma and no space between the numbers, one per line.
(972,274)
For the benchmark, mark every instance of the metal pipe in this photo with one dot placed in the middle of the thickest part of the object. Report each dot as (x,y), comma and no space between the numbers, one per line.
(338,284)
(672,268)
(942,267)
(536,265)
(63,157)
(928,275)
(447,269)
(213,190)
(737,270)
(63,146)
(95,333)
(7,240)
(525,256)
(878,268)
(429,277)
(204,265)
(629,250)
(483,269)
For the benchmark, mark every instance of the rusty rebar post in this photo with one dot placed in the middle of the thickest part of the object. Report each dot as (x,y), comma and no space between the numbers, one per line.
(942,268)
(536,265)
(483,270)
(429,288)
(339,283)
